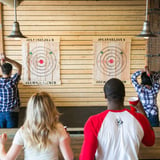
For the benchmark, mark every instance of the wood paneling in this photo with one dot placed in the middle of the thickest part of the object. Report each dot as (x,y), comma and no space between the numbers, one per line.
(77,23)
(1,30)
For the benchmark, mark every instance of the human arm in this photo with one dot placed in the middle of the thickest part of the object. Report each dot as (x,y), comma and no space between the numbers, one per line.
(90,142)
(66,149)
(135,81)
(64,143)
(149,135)
(16,64)
(2,59)
(137,74)
(148,132)
(13,151)
(140,108)
(146,69)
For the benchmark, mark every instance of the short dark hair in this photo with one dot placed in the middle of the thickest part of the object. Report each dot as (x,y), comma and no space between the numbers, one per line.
(6,68)
(145,79)
(114,89)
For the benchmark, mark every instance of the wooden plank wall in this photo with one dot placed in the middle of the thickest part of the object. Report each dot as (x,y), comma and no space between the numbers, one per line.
(77,23)
(1,31)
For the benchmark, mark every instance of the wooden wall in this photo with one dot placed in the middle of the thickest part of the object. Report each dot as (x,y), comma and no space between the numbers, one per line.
(77,23)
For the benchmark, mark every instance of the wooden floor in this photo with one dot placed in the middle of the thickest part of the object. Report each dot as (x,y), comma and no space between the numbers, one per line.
(77,139)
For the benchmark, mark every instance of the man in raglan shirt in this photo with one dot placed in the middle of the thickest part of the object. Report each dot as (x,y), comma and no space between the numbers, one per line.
(116,134)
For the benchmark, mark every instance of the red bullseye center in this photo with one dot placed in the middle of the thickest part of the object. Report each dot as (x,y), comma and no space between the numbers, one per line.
(41,61)
(111,61)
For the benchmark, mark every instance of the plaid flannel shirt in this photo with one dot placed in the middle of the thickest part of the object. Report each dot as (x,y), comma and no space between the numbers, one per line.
(9,95)
(147,96)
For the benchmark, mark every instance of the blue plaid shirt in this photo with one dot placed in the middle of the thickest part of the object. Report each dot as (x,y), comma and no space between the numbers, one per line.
(147,96)
(9,95)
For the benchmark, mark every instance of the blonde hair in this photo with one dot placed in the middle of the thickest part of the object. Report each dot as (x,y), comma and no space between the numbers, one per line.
(41,119)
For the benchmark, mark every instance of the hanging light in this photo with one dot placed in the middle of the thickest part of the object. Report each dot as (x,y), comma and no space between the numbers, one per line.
(16,33)
(146,31)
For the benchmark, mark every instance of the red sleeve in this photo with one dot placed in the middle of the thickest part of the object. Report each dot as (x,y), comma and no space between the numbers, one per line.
(90,142)
(149,136)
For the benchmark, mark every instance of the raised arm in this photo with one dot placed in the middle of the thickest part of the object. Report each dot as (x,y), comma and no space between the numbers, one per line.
(146,69)
(13,151)
(16,64)
(134,80)
(138,73)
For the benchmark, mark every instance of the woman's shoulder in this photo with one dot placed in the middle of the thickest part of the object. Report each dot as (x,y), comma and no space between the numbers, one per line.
(60,127)
(62,134)
(20,129)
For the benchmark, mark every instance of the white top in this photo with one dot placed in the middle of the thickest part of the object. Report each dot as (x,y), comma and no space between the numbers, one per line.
(118,127)
(51,153)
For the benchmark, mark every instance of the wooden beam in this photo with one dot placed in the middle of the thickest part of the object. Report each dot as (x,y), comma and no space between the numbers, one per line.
(1,30)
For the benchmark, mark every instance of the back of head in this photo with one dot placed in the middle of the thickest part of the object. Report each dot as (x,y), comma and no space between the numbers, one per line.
(145,79)
(41,119)
(114,90)
(41,109)
(6,68)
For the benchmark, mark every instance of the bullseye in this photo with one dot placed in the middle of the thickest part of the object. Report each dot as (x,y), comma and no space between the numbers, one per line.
(41,61)
(111,60)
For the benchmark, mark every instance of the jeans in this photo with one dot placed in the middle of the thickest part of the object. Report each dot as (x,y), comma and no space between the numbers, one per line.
(154,120)
(9,119)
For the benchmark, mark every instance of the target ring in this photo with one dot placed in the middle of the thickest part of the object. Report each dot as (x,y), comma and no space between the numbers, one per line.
(42,61)
(111,61)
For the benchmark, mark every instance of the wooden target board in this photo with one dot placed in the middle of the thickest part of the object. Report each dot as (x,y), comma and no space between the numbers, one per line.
(111,59)
(41,61)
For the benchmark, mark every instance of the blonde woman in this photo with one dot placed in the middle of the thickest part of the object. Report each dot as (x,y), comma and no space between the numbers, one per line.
(41,134)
